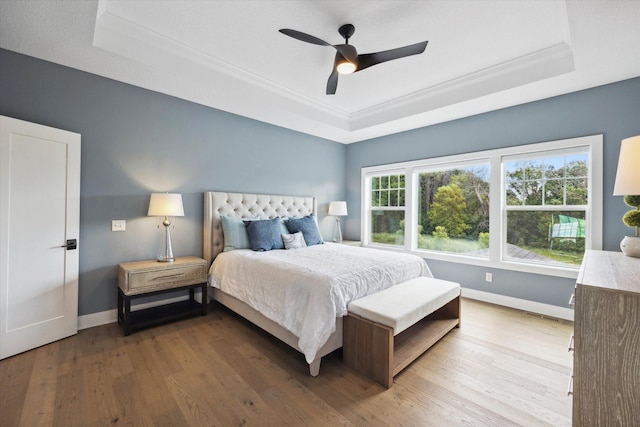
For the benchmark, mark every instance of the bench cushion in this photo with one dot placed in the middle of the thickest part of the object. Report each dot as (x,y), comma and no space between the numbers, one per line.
(403,305)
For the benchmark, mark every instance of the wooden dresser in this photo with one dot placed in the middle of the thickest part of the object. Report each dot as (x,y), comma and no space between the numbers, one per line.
(606,364)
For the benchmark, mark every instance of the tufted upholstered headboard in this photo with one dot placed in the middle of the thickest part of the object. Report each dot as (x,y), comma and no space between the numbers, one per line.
(243,205)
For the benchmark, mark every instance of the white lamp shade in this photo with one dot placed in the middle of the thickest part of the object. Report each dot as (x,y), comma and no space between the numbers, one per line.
(338,208)
(165,204)
(628,174)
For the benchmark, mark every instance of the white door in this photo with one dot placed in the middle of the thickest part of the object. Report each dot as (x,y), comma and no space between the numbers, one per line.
(39,214)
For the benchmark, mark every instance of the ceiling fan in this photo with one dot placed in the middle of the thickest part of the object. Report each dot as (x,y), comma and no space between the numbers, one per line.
(348,60)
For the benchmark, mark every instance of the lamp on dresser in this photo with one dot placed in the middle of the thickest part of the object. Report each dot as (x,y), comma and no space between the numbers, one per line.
(338,209)
(166,205)
(628,185)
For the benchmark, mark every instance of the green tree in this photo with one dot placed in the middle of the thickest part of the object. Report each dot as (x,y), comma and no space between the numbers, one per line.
(429,184)
(475,188)
(524,185)
(449,210)
(476,193)
(440,238)
(483,240)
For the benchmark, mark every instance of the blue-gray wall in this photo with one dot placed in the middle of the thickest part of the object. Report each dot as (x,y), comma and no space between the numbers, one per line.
(135,142)
(612,110)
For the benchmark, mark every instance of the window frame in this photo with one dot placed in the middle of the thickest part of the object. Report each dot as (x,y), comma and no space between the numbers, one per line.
(497,209)
(370,209)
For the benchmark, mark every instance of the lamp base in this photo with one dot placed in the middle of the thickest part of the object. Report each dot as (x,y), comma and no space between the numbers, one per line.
(630,246)
(338,233)
(166,251)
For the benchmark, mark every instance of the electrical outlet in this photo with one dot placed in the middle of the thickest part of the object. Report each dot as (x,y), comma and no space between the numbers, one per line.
(488,277)
(118,225)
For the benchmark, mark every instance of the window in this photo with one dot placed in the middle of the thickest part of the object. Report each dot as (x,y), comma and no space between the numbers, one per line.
(387,209)
(546,204)
(453,209)
(533,208)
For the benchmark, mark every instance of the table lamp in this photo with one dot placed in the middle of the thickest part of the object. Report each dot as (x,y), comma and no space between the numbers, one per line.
(338,209)
(166,205)
(628,185)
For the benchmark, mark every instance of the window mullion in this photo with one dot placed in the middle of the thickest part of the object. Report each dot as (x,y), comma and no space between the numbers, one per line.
(365,203)
(547,208)
(594,240)
(410,211)
(496,200)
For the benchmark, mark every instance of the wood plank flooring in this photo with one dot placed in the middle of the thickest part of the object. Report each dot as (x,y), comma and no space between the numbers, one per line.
(501,368)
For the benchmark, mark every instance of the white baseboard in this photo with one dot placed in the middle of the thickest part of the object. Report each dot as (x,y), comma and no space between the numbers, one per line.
(520,304)
(97,319)
(110,316)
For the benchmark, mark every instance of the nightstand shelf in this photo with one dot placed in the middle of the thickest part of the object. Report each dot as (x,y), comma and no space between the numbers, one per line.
(148,278)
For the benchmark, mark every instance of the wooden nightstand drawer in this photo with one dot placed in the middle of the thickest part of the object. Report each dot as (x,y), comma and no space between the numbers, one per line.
(165,278)
(147,276)
(139,279)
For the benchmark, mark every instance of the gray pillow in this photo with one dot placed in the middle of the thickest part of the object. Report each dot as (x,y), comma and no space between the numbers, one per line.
(307,225)
(264,235)
(294,241)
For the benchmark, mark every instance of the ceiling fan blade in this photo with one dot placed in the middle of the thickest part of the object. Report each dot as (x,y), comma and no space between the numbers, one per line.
(298,35)
(332,83)
(369,59)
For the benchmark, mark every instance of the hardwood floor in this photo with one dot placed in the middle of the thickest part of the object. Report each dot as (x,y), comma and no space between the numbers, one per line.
(502,367)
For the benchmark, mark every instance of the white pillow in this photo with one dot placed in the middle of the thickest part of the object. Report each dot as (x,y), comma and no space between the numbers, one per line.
(294,241)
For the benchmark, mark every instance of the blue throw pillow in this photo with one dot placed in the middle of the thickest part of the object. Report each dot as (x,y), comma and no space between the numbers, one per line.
(308,227)
(264,235)
(235,233)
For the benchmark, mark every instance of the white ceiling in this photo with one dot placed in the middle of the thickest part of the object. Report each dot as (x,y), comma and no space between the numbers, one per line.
(481,56)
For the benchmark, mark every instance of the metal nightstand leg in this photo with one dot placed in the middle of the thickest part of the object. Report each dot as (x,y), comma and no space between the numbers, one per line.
(120,306)
(126,321)
(203,294)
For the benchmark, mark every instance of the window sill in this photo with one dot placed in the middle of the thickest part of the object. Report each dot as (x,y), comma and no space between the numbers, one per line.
(559,271)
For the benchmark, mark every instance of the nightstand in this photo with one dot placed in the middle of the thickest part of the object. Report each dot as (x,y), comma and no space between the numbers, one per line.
(146,278)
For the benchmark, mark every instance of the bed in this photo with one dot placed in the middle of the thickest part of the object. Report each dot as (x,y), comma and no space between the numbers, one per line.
(292,294)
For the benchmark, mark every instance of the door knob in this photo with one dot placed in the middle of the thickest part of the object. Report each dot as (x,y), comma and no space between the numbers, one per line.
(72,244)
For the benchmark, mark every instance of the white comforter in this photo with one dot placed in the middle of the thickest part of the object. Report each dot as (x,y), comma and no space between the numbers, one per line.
(304,290)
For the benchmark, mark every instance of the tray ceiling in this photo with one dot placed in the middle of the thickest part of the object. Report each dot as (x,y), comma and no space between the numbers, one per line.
(481,56)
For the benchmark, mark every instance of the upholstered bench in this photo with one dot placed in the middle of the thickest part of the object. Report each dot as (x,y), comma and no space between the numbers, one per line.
(386,331)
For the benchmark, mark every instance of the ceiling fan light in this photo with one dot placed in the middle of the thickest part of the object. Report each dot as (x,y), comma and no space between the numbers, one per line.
(346,67)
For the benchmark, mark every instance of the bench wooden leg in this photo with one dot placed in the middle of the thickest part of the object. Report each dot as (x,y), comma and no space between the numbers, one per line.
(368,348)
(372,349)
(450,310)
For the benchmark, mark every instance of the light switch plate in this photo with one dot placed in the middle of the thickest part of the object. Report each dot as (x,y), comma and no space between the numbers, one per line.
(118,225)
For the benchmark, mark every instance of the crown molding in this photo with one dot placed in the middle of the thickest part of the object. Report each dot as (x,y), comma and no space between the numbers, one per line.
(542,64)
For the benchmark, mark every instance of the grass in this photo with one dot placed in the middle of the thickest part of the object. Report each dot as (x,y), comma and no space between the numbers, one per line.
(573,258)
(466,246)
(452,245)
